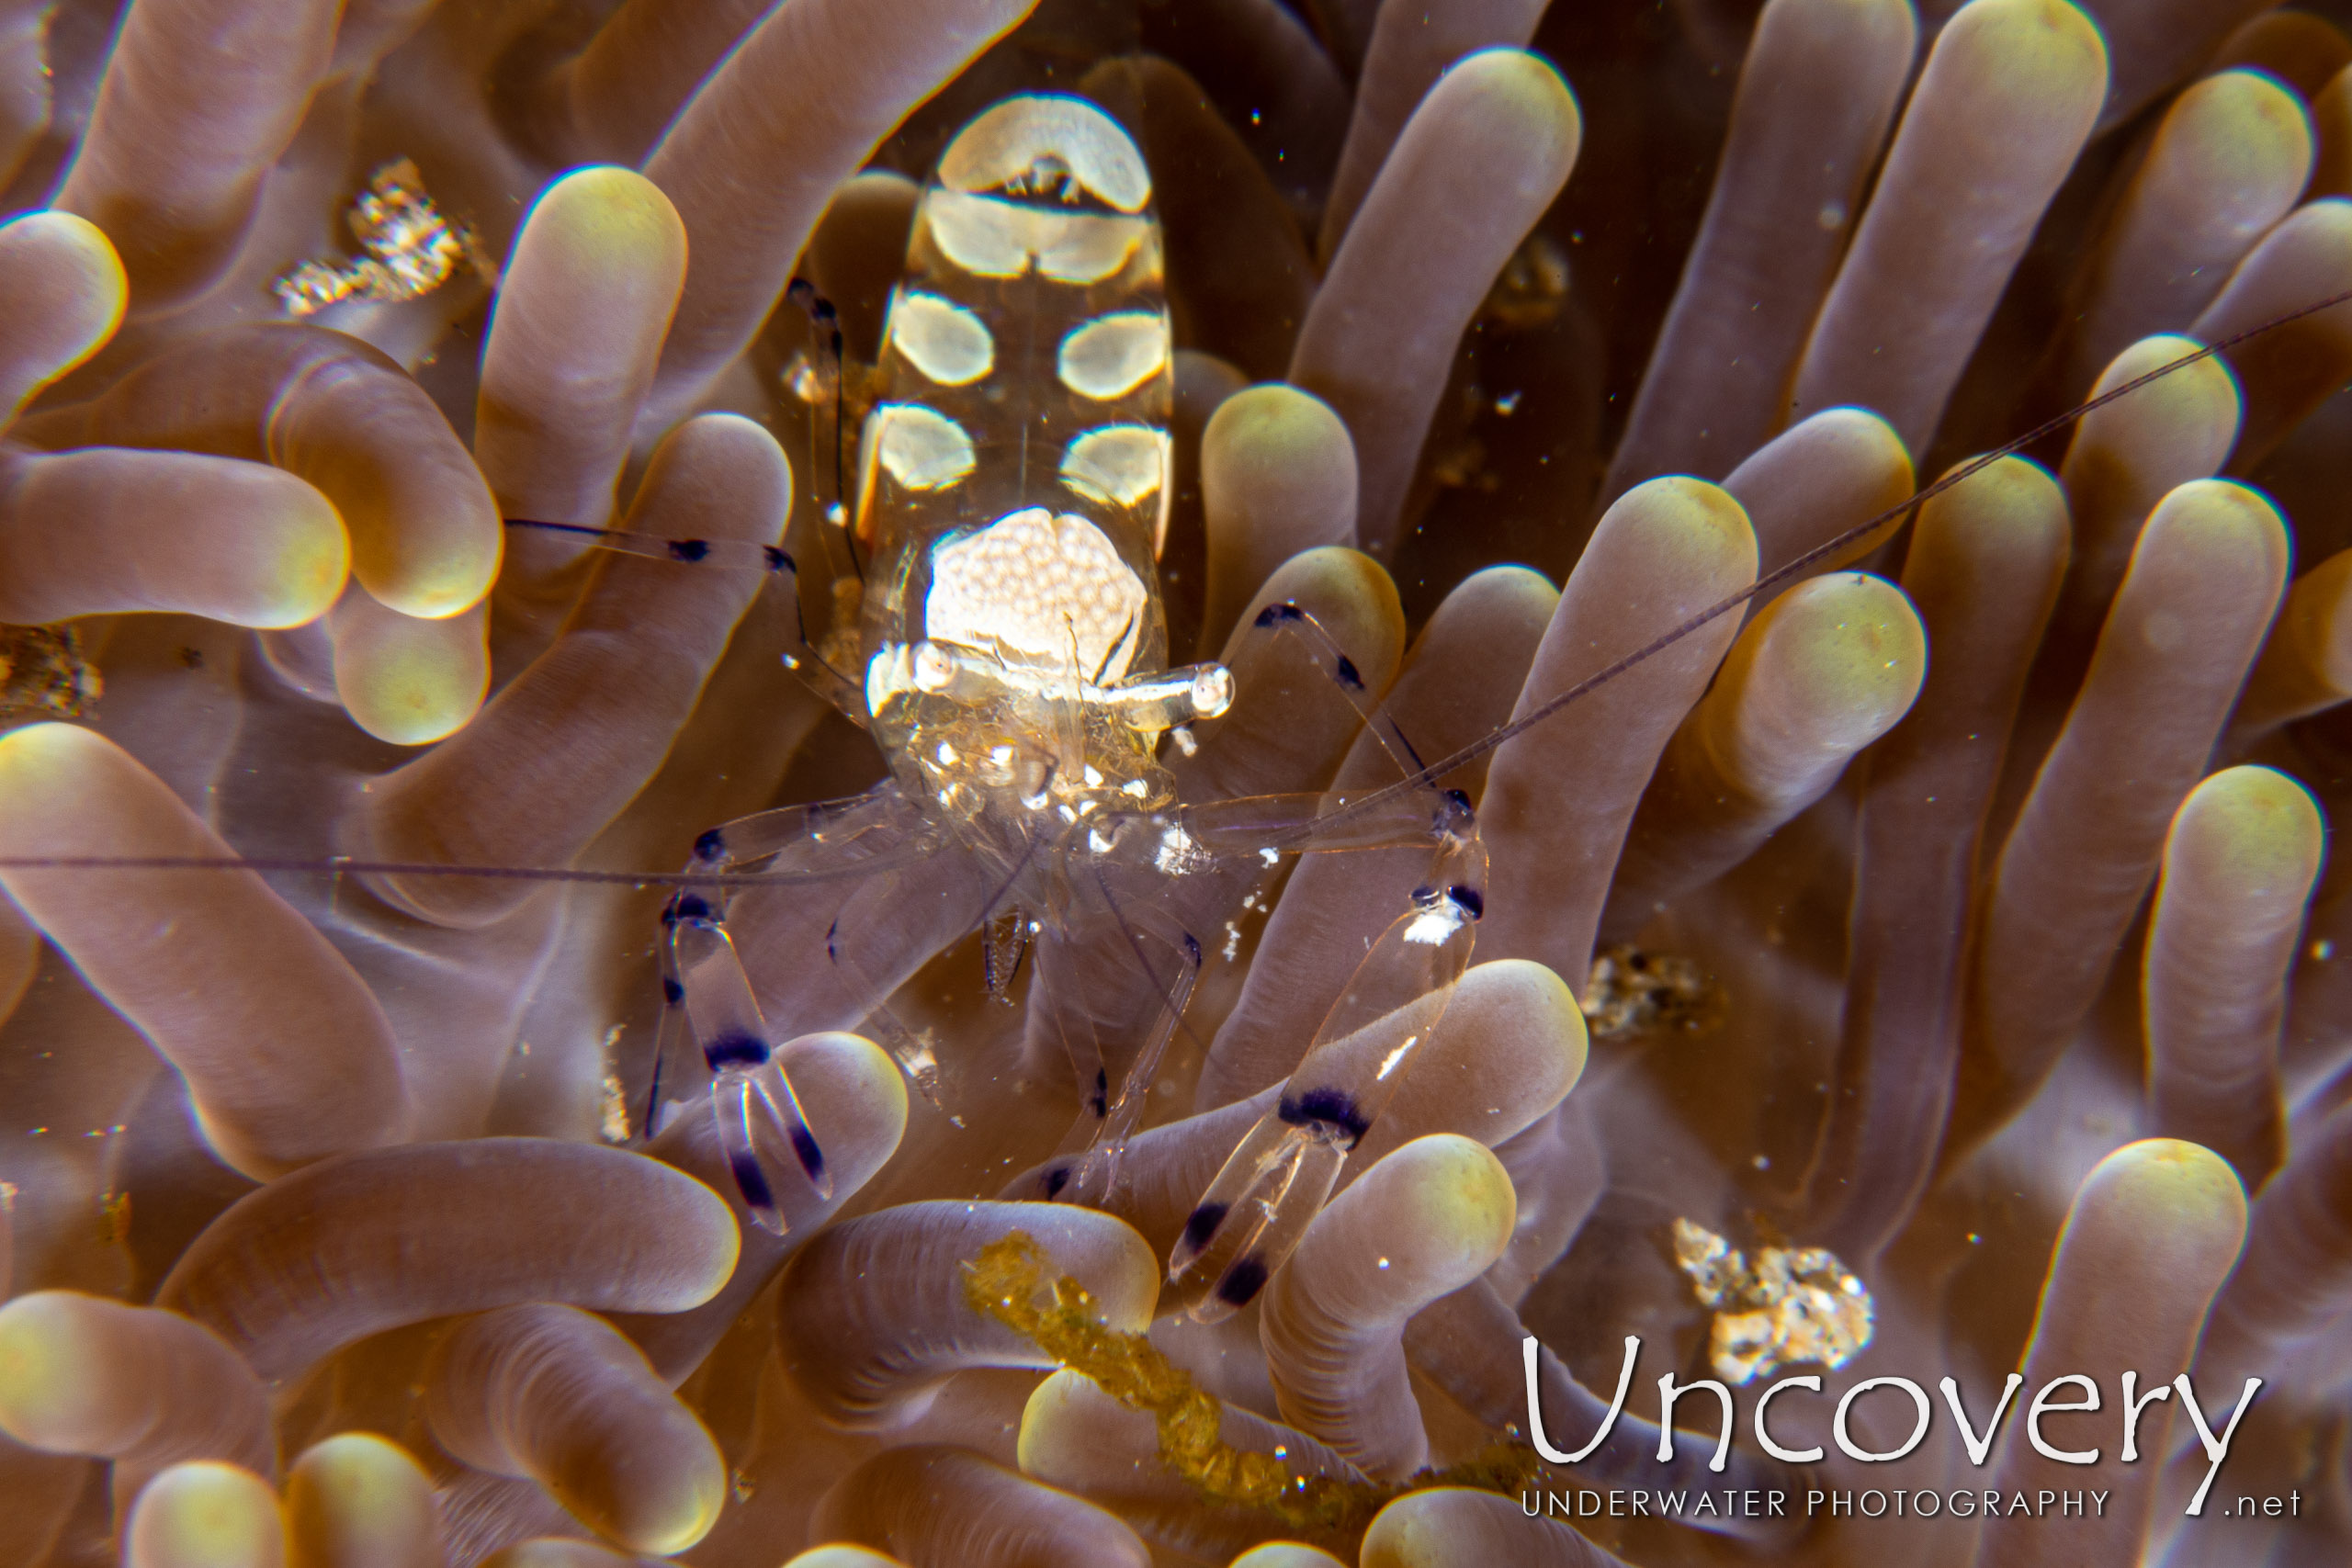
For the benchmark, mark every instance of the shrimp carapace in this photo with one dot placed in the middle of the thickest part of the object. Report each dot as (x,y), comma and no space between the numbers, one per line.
(1013,478)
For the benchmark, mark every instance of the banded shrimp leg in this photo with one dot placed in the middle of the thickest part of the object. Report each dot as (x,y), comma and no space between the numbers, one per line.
(708,994)
(1158,857)
(1141,883)
(1123,920)
(1112,897)
(804,660)
(1277,1178)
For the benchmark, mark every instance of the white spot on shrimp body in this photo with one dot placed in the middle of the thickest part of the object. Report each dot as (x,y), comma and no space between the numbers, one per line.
(947,343)
(1111,356)
(1024,142)
(1122,464)
(1038,590)
(920,449)
(990,237)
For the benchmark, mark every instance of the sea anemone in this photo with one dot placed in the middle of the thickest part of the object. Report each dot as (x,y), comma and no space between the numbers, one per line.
(1921,969)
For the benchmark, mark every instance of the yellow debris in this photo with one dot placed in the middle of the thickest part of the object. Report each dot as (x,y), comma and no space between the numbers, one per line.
(1632,992)
(1792,1305)
(43,671)
(1015,1281)
(411,249)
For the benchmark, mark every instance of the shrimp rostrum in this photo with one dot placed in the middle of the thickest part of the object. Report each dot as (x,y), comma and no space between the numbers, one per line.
(1013,491)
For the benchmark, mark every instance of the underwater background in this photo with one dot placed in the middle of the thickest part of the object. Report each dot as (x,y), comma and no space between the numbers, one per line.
(1927,972)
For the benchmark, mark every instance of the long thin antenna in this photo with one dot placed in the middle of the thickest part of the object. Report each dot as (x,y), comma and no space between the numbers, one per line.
(1822,551)
(339,866)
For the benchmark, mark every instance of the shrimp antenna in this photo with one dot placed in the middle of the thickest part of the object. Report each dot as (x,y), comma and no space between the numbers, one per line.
(1852,537)
(735,554)
(339,866)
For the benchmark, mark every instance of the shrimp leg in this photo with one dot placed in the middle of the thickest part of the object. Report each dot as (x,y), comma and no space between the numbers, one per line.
(1106,1120)
(708,994)
(1277,1178)
(1167,875)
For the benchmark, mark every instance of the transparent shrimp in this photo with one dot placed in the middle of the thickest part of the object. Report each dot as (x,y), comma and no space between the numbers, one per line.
(707,992)
(1011,493)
